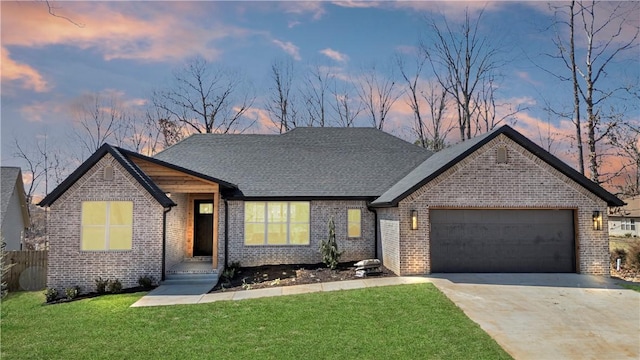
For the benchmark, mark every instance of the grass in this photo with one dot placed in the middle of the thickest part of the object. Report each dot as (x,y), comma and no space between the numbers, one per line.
(631,287)
(621,242)
(392,322)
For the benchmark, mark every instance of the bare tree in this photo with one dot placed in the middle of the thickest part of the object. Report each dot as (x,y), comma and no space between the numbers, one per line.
(625,139)
(205,99)
(345,106)
(45,165)
(599,54)
(315,95)
(378,93)
(280,103)
(489,112)
(605,42)
(461,60)
(97,120)
(428,103)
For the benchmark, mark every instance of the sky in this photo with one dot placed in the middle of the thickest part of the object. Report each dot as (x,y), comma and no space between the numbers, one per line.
(127,50)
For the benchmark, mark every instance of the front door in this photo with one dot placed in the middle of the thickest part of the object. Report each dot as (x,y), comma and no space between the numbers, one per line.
(203,228)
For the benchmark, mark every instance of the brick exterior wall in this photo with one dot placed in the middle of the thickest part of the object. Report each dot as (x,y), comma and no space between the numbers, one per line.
(69,266)
(354,249)
(176,230)
(389,238)
(524,182)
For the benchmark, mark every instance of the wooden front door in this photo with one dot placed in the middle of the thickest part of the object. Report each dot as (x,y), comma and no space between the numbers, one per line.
(203,228)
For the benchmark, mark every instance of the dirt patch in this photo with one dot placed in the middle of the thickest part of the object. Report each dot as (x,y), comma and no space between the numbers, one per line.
(260,277)
(626,274)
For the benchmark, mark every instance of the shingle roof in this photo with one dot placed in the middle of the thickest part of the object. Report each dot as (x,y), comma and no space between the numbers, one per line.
(445,159)
(129,166)
(304,162)
(10,177)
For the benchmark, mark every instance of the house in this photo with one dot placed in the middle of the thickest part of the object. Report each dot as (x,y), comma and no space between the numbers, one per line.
(495,203)
(624,221)
(14,214)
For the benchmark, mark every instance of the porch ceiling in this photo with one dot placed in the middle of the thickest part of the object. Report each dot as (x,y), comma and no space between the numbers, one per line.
(171,180)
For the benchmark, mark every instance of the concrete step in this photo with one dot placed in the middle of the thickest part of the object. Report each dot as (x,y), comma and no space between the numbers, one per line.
(208,259)
(191,279)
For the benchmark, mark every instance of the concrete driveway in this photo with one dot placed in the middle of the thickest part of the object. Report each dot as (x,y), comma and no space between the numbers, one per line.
(550,316)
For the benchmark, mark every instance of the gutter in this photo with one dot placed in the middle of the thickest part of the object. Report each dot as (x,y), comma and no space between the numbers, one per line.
(164,242)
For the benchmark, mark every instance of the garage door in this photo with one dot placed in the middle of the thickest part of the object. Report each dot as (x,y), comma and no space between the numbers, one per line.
(502,241)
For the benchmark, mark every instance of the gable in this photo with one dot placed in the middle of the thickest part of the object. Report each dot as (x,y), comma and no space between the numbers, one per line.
(442,161)
(12,192)
(126,164)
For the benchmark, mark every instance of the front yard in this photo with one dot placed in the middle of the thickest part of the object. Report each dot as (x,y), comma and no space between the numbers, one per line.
(392,322)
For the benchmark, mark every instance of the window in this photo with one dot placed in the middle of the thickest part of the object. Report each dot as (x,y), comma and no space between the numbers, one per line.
(628,224)
(106,225)
(205,208)
(276,223)
(354,223)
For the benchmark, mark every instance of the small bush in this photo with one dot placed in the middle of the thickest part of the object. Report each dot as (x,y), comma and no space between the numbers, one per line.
(115,286)
(101,285)
(627,235)
(72,292)
(618,254)
(51,294)
(329,247)
(633,256)
(146,281)
(228,274)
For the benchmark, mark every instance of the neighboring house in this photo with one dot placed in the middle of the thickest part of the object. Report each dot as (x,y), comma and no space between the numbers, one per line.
(495,203)
(14,214)
(625,220)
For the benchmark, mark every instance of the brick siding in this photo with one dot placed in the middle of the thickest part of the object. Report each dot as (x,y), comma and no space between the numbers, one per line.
(354,249)
(525,181)
(69,266)
(176,230)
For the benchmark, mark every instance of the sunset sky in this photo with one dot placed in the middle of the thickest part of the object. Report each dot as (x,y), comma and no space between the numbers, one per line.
(129,49)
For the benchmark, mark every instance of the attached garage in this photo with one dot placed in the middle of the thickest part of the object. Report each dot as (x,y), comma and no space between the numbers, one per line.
(513,240)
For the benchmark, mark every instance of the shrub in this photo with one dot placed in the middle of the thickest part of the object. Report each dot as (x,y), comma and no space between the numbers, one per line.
(146,281)
(115,286)
(627,235)
(618,254)
(4,268)
(101,285)
(51,294)
(633,256)
(329,248)
(72,292)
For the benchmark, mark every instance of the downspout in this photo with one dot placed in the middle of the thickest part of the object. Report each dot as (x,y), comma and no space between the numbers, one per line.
(226,234)
(164,240)
(375,228)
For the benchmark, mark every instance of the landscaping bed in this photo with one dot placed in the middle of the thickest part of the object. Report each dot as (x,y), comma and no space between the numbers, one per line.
(260,277)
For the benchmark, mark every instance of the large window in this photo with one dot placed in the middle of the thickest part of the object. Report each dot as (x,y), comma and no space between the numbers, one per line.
(628,224)
(276,223)
(106,225)
(354,223)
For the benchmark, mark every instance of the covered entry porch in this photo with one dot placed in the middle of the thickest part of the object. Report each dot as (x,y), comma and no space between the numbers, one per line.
(191,228)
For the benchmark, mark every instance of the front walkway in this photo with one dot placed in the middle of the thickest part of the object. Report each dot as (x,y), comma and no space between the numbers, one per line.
(198,294)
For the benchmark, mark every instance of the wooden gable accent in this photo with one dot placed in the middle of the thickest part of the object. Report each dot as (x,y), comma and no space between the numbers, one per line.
(171,180)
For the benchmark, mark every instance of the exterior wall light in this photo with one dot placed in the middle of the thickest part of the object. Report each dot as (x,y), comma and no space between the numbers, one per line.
(414,219)
(597,220)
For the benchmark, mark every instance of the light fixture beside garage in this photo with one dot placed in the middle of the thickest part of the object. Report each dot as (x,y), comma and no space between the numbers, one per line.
(597,220)
(414,219)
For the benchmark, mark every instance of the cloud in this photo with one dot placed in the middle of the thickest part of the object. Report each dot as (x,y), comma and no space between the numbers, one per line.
(119,30)
(334,55)
(289,48)
(28,77)
(293,24)
(315,8)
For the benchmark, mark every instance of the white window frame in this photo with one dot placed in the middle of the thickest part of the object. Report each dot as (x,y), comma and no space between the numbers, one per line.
(288,223)
(628,224)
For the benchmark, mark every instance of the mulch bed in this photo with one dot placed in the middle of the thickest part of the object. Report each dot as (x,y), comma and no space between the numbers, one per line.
(626,274)
(95,294)
(260,277)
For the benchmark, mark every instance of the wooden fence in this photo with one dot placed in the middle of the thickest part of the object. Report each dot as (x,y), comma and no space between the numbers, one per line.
(28,270)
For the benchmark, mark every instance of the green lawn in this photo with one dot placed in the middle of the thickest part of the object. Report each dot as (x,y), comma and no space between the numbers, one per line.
(631,287)
(394,322)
